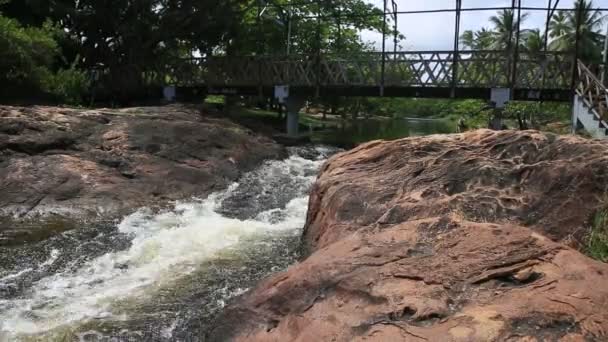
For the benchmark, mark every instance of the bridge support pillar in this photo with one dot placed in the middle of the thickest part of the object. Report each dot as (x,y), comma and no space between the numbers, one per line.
(293,105)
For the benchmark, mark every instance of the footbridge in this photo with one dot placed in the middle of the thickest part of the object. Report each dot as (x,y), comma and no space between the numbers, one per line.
(434,74)
(499,76)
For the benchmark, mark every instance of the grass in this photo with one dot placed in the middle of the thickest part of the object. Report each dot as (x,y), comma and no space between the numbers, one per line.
(597,241)
(214,99)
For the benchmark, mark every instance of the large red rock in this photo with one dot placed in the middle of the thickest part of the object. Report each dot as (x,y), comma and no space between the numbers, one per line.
(108,160)
(84,162)
(443,238)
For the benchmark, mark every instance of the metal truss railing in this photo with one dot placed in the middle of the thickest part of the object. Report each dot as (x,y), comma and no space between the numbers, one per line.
(480,69)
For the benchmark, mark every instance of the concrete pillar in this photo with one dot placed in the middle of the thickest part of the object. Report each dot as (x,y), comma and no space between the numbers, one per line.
(575,122)
(293,122)
(169,93)
(293,105)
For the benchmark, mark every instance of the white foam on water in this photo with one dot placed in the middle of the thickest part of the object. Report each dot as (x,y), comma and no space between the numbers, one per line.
(165,246)
(16,275)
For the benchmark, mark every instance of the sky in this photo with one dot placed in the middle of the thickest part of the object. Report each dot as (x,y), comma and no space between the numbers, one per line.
(435,31)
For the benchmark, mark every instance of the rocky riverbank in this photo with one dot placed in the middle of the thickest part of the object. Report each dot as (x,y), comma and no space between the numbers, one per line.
(466,237)
(104,161)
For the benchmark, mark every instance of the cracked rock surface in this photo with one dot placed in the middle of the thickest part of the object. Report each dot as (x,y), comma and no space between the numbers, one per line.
(108,161)
(468,237)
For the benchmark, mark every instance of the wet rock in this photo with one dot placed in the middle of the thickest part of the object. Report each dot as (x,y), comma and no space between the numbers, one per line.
(112,161)
(441,238)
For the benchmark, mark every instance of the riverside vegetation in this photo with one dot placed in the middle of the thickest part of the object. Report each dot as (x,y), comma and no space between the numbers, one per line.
(63,53)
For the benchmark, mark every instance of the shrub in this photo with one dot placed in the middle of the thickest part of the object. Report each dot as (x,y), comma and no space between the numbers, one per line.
(597,241)
(26,54)
(68,85)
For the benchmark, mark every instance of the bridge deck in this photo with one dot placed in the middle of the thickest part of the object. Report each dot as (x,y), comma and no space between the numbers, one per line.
(439,74)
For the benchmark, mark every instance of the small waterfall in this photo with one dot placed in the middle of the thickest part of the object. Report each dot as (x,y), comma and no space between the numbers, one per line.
(163,273)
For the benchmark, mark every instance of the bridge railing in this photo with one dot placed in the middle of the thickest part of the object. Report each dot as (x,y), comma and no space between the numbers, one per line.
(481,69)
(551,70)
(592,91)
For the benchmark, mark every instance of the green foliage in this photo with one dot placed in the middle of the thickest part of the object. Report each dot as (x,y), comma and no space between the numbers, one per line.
(215,99)
(562,31)
(538,115)
(475,113)
(505,22)
(68,85)
(133,43)
(26,54)
(337,30)
(597,241)
(427,108)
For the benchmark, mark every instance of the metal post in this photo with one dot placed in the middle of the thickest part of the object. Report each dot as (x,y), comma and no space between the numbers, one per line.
(289,15)
(509,44)
(260,48)
(605,59)
(318,57)
(259,28)
(545,59)
(396,31)
(383,66)
(288,50)
(549,15)
(456,48)
(516,52)
(550,11)
(579,16)
(339,20)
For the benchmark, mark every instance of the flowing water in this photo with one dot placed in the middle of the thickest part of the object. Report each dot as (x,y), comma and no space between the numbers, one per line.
(158,276)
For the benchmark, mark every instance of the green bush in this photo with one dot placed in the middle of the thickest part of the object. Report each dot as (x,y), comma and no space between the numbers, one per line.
(26,54)
(597,241)
(68,85)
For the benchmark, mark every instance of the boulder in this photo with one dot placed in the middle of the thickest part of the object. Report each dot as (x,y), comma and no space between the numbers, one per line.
(78,161)
(465,237)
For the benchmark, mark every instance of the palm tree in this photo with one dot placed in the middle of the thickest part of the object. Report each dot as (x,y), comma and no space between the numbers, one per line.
(467,39)
(477,40)
(564,26)
(505,27)
(558,26)
(484,39)
(533,42)
(478,70)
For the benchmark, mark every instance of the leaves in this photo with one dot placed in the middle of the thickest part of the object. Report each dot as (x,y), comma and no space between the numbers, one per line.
(328,26)
(25,53)
(562,32)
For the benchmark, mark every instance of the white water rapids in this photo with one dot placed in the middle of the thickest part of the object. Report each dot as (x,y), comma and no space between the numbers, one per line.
(145,270)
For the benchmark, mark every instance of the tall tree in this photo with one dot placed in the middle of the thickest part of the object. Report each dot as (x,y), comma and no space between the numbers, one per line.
(558,26)
(313,26)
(36,12)
(563,30)
(505,27)
(478,40)
(533,42)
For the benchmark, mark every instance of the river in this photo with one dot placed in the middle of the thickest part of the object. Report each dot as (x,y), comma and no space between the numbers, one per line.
(164,275)
(158,276)
(359,131)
